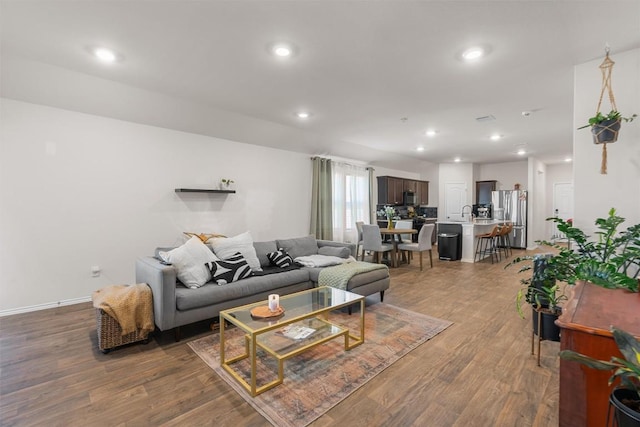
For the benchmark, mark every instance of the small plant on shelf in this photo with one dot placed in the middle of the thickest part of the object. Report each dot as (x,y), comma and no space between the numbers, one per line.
(225,183)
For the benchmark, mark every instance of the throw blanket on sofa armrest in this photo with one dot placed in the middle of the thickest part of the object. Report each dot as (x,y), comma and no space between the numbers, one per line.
(321,260)
(131,306)
(339,275)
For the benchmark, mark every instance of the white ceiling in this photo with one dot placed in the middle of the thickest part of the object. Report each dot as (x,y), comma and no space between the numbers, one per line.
(360,68)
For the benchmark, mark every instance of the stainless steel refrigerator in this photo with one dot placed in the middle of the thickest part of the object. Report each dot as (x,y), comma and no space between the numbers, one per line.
(514,205)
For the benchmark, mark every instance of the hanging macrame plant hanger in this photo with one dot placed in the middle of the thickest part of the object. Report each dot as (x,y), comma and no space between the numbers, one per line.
(606,132)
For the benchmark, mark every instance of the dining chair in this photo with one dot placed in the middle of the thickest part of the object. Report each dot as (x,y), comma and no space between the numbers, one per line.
(372,241)
(359,225)
(404,238)
(423,245)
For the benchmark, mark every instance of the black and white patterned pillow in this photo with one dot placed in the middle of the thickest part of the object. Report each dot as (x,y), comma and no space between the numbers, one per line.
(229,270)
(280,258)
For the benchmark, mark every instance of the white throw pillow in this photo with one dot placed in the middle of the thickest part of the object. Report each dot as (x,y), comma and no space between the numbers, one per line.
(243,243)
(189,261)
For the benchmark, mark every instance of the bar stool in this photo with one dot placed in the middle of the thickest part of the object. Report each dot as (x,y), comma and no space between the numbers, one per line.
(504,239)
(487,245)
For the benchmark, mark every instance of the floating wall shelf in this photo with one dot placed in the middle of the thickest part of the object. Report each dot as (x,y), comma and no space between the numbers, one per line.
(203,190)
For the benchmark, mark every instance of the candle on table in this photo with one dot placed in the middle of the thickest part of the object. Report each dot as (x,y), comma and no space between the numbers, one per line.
(274,302)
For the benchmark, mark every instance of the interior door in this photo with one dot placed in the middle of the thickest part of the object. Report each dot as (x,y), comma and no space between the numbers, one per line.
(562,205)
(455,197)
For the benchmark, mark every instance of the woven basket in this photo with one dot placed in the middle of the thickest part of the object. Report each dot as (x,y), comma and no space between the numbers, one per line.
(110,333)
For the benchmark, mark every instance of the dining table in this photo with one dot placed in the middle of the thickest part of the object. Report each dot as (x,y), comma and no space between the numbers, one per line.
(393,232)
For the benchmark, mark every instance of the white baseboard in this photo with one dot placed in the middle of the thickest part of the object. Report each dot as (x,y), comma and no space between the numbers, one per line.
(44,306)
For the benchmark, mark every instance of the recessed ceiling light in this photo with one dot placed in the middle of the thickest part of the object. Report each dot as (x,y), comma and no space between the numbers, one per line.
(495,137)
(105,55)
(521,152)
(431,133)
(303,114)
(568,159)
(457,159)
(420,148)
(282,50)
(473,53)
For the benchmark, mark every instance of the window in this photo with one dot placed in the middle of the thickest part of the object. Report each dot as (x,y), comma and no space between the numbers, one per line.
(350,200)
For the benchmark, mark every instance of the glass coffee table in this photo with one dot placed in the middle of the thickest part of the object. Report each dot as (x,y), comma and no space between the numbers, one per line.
(303,325)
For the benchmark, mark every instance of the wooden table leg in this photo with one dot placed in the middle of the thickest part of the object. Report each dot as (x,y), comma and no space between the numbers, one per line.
(394,252)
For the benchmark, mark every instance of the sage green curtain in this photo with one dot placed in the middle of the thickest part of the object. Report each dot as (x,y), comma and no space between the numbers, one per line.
(321,200)
(372,198)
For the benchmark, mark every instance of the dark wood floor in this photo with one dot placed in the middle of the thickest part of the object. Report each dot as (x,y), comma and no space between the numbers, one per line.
(479,372)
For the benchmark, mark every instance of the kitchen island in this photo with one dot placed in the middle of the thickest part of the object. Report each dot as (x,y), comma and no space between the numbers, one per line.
(469,232)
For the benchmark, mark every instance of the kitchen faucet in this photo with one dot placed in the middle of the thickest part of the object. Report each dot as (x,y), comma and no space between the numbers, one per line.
(470,210)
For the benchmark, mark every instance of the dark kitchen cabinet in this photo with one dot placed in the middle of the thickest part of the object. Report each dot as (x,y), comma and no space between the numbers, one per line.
(390,190)
(483,191)
(423,192)
(410,185)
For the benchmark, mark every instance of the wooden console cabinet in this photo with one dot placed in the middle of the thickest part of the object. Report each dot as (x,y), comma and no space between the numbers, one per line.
(585,327)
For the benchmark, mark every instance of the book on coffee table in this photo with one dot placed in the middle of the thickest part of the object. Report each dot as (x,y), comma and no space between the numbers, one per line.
(296,332)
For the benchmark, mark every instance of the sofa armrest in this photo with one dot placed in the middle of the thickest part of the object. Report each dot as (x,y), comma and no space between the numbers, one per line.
(161,278)
(351,246)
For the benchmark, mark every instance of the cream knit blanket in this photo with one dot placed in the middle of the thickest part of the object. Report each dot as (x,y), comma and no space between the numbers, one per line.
(338,276)
(130,305)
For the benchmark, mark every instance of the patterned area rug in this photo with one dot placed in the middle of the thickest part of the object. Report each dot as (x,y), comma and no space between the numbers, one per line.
(320,378)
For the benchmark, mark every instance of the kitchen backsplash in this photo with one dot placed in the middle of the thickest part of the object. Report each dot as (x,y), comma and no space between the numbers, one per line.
(428,212)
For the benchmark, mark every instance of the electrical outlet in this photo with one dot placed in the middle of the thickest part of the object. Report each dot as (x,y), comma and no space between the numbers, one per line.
(95,270)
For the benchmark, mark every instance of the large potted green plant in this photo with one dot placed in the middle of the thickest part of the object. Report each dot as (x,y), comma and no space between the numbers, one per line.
(626,398)
(611,261)
(543,293)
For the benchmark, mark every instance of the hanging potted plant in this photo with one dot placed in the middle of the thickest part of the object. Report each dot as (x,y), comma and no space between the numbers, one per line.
(605,128)
(625,398)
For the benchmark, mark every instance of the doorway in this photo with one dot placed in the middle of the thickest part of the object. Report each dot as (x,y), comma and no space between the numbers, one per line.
(455,197)
(562,205)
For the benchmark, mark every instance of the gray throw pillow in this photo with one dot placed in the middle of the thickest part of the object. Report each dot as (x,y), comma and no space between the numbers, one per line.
(264,248)
(341,252)
(300,246)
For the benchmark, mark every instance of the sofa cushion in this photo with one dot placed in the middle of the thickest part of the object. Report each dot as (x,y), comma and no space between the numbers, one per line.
(187,299)
(355,281)
(189,261)
(300,246)
(264,248)
(243,243)
(341,252)
(229,270)
(280,258)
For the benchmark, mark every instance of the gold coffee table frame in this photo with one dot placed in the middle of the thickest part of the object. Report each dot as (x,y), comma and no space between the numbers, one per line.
(307,308)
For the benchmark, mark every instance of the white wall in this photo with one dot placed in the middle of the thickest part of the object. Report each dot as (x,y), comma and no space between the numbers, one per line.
(507,174)
(595,194)
(78,190)
(536,202)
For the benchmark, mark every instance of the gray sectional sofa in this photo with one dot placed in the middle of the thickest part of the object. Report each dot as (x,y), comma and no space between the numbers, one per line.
(175,305)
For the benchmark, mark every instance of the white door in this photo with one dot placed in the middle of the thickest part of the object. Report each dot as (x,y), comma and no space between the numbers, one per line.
(562,205)
(455,197)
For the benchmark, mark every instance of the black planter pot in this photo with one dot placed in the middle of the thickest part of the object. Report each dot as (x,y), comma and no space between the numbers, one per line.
(623,416)
(606,132)
(550,331)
